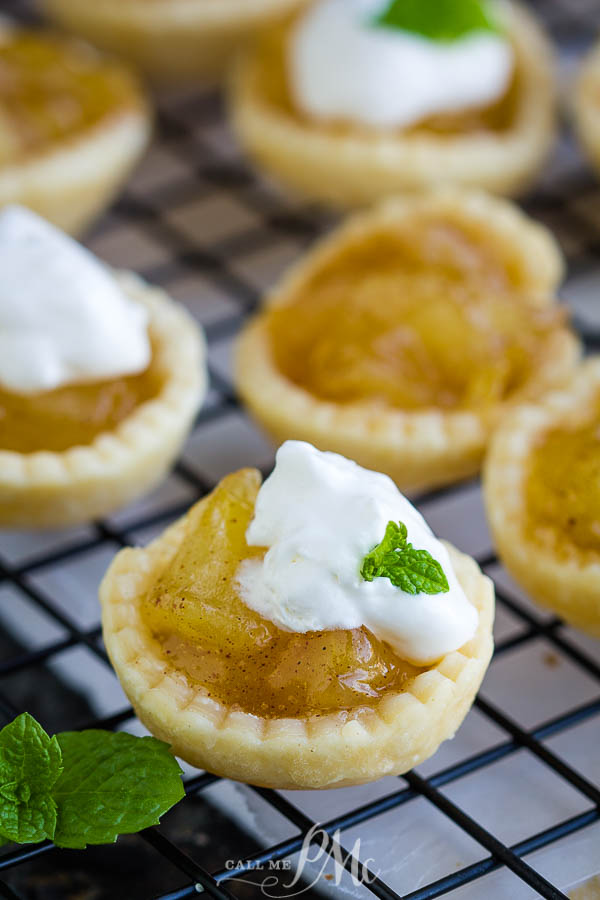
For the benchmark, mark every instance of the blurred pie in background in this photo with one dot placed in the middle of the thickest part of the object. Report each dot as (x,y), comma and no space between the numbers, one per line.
(100,378)
(542,491)
(72,125)
(587,106)
(402,339)
(353,100)
(170,40)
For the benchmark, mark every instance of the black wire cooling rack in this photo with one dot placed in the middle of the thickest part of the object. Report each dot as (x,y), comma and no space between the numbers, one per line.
(196,220)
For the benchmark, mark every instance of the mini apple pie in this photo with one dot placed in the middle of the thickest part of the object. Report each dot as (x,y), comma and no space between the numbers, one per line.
(72,125)
(170,40)
(291,636)
(542,491)
(587,106)
(100,378)
(354,100)
(404,336)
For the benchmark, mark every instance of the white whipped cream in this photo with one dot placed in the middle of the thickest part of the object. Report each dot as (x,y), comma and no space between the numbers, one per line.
(343,67)
(320,515)
(63,317)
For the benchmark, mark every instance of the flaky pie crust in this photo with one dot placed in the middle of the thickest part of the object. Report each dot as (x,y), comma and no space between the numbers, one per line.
(586,106)
(570,586)
(334,750)
(359,168)
(421,449)
(170,40)
(72,182)
(51,489)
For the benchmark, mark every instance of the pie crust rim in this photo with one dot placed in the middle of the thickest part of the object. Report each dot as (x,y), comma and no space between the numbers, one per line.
(586,109)
(171,40)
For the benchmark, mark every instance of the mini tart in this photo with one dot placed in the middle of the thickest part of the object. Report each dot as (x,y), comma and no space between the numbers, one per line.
(542,489)
(587,106)
(170,40)
(486,245)
(347,166)
(72,125)
(218,726)
(46,489)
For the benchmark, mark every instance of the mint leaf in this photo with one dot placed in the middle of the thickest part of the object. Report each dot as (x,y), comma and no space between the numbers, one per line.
(438,20)
(30,765)
(112,784)
(81,788)
(413,571)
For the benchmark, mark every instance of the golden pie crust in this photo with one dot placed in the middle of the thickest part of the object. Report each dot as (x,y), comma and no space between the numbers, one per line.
(333,750)
(56,489)
(567,582)
(423,448)
(170,40)
(586,106)
(70,180)
(357,167)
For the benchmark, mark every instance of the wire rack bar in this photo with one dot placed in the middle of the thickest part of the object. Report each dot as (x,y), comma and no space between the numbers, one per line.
(520,736)
(478,870)
(498,850)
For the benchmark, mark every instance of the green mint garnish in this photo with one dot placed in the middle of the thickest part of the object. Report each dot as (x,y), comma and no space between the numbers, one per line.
(30,765)
(112,784)
(413,571)
(81,788)
(438,20)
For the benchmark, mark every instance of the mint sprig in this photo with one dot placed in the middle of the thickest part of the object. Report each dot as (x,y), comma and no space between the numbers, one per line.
(438,20)
(413,571)
(30,765)
(81,788)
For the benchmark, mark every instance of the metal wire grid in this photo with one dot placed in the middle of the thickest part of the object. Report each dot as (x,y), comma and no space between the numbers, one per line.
(206,170)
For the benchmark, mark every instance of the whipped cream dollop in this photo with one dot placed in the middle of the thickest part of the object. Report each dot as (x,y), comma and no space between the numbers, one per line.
(320,514)
(63,317)
(342,66)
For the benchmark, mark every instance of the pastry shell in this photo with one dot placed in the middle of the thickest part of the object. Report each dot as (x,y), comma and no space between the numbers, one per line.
(72,181)
(586,106)
(568,585)
(422,449)
(356,168)
(334,750)
(170,40)
(51,489)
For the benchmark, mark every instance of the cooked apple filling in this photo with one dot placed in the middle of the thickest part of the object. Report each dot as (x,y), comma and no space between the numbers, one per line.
(275,88)
(563,488)
(52,88)
(423,318)
(205,630)
(74,415)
